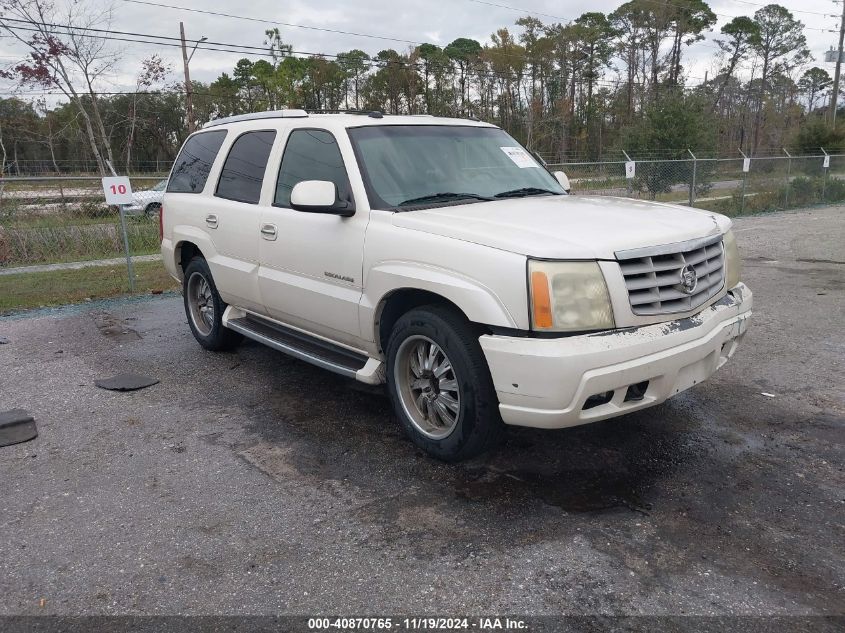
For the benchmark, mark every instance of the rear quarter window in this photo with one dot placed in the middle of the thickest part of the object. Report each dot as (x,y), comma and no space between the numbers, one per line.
(190,172)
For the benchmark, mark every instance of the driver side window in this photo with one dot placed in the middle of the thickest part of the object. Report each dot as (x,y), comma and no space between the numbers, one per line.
(311,155)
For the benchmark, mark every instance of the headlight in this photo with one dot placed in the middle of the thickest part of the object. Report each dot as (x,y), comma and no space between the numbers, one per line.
(733,262)
(568,296)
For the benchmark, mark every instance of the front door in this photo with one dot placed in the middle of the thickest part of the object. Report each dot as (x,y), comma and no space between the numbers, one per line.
(311,263)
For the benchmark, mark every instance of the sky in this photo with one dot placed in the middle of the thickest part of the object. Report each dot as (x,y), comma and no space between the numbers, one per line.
(409,21)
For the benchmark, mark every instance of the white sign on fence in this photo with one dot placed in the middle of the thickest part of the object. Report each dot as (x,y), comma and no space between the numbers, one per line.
(746,165)
(117,190)
(630,169)
(826,164)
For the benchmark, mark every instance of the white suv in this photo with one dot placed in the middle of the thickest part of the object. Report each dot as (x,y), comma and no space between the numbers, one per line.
(439,257)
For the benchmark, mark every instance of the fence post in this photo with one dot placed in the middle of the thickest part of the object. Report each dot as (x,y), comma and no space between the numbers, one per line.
(788,178)
(692,181)
(745,161)
(130,270)
(629,182)
(826,170)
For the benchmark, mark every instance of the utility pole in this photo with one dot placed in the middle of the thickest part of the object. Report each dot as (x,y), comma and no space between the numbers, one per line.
(834,97)
(189,101)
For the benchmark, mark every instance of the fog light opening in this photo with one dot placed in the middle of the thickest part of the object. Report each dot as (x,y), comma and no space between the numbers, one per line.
(598,399)
(636,392)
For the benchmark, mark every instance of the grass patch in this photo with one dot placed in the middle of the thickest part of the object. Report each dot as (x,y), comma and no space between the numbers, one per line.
(36,290)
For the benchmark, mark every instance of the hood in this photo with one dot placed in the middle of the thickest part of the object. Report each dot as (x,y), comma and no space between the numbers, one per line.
(566,227)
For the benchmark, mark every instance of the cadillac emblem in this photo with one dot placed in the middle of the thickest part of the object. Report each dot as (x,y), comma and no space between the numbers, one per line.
(689,279)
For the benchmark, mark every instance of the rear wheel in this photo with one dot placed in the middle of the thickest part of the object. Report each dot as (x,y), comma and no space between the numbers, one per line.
(204,308)
(440,384)
(153,209)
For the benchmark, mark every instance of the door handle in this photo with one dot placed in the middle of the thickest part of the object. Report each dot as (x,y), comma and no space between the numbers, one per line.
(211,220)
(268,232)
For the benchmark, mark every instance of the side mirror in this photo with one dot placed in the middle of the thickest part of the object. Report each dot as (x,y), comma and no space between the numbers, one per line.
(563,180)
(318,196)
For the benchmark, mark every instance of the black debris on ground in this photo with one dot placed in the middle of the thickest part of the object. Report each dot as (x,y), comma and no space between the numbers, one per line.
(16,426)
(126,382)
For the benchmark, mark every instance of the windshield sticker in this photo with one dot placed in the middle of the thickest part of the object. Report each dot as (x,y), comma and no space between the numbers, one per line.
(520,157)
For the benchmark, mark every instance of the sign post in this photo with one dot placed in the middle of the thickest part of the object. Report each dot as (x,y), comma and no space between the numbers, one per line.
(746,167)
(118,191)
(630,172)
(826,170)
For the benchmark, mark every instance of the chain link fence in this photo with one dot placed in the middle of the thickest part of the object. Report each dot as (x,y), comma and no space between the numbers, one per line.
(733,186)
(60,242)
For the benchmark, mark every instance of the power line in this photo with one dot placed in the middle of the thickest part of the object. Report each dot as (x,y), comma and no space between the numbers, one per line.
(519,10)
(665,3)
(174,42)
(273,22)
(760,4)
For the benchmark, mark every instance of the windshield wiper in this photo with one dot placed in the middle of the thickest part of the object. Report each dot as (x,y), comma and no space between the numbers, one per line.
(442,197)
(526,191)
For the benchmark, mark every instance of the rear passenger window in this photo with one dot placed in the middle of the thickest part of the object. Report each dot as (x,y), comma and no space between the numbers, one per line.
(190,172)
(311,155)
(243,171)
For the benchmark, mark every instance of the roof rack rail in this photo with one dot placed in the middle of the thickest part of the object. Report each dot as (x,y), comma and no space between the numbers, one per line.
(270,114)
(372,113)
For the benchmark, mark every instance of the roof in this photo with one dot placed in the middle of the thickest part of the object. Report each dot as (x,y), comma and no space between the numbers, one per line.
(349,119)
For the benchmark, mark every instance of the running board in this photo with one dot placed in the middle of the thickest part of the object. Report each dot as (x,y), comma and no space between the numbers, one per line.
(304,347)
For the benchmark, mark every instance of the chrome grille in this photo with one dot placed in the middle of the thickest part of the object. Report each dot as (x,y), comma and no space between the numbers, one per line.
(653,276)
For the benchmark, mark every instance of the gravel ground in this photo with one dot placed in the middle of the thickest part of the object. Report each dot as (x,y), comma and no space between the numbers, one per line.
(251,483)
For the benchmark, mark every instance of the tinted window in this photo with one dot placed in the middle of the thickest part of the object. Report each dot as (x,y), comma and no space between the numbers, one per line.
(243,171)
(311,155)
(194,162)
(402,163)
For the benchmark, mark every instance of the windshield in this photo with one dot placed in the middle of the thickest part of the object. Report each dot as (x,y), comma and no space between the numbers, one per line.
(160,186)
(407,166)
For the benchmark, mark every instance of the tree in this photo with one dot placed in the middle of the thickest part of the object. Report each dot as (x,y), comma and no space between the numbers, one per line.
(593,47)
(464,52)
(355,64)
(689,19)
(630,23)
(153,71)
(813,85)
(72,63)
(816,134)
(781,46)
(672,124)
(741,33)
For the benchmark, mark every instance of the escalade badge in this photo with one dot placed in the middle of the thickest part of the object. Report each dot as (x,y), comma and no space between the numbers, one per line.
(689,279)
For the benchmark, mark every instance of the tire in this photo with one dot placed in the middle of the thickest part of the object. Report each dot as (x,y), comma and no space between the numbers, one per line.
(204,308)
(456,415)
(152,209)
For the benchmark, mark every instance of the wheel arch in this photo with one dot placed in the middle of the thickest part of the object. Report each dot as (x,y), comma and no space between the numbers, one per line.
(477,303)
(188,243)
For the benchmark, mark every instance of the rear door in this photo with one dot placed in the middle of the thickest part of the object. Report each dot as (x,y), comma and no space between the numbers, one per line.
(232,218)
(311,263)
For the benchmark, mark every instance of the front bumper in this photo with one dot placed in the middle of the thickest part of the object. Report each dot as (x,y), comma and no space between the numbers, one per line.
(546,383)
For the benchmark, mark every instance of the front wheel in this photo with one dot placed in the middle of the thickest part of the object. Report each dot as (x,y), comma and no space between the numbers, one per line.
(440,385)
(205,308)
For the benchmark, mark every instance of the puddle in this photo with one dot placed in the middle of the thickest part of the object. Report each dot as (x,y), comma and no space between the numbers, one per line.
(114,328)
(572,491)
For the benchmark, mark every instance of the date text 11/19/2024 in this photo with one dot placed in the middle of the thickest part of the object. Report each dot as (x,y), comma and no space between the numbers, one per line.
(416,624)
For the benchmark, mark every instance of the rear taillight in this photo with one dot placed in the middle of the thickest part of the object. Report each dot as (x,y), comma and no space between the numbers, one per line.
(160,223)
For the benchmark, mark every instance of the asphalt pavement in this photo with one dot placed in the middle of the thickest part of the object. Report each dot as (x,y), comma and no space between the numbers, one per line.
(252,483)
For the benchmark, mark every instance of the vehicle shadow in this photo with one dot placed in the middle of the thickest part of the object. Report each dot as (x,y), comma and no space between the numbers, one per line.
(344,431)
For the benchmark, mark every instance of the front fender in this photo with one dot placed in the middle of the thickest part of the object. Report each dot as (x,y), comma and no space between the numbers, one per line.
(477,301)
